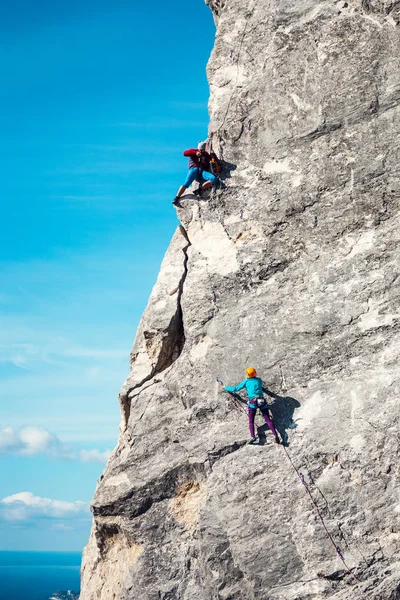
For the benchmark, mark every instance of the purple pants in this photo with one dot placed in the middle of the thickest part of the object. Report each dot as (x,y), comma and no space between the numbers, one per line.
(252,414)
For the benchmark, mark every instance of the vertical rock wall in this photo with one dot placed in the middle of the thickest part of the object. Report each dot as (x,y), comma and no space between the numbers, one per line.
(293,267)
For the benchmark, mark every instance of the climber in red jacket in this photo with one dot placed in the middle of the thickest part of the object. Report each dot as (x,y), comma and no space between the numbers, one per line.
(199,169)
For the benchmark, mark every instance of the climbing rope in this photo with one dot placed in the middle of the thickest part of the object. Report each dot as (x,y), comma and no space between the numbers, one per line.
(248,14)
(300,476)
(234,401)
(318,512)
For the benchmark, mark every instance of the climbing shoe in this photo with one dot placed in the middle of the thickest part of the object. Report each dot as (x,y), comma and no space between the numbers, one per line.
(176,202)
(277,440)
(197,192)
(252,440)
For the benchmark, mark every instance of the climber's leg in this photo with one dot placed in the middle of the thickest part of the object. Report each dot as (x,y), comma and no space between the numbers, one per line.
(251,413)
(193,173)
(265,414)
(210,180)
(181,191)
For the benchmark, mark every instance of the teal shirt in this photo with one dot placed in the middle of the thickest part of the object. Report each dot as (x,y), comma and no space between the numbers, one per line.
(253,387)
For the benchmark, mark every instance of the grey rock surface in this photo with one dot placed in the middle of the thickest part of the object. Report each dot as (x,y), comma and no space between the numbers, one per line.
(292,267)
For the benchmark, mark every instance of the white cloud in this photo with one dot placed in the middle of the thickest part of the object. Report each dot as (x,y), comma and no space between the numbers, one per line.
(61,527)
(72,428)
(29,440)
(36,440)
(25,506)
(94,456)
(33,440)
(9,440)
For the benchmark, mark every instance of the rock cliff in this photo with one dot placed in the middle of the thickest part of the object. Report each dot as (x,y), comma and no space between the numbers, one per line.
(293,267)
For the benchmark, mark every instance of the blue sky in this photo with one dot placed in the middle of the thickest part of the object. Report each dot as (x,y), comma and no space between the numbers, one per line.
(97,103)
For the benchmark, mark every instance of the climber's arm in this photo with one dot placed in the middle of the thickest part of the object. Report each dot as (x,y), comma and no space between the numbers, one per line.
(191,152)
(236,388)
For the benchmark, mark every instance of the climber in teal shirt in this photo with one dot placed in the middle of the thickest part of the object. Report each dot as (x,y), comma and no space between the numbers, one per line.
(253,385)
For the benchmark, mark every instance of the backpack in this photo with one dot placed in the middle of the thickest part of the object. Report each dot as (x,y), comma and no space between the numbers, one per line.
(216,165)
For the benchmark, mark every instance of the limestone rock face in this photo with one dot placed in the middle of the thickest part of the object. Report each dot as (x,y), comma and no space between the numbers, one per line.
(292,266)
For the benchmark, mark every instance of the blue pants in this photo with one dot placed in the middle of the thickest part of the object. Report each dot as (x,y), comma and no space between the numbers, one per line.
(196,174)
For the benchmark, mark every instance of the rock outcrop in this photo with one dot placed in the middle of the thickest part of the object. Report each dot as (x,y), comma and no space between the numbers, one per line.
(293,267)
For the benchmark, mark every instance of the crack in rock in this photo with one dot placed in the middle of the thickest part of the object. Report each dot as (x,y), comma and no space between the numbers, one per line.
(163,345)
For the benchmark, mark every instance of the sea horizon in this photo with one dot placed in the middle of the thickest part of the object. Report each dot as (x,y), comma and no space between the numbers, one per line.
(39,574)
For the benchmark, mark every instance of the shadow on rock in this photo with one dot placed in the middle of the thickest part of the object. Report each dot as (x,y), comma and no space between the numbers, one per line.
(261,432)
(192,196)
(282,410)
(226,174)
(227,169)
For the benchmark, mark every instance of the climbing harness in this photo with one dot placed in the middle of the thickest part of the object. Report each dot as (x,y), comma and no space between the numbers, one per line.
(318,512)
(260,402)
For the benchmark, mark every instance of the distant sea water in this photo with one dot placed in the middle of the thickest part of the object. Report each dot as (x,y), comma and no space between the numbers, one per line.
(39,575)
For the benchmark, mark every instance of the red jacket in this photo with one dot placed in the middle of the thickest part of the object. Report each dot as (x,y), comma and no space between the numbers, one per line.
(202,161)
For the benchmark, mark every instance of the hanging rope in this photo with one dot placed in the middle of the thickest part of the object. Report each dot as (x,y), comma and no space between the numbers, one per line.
(234,401)
(240,407)
(248,14)
(318,512)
